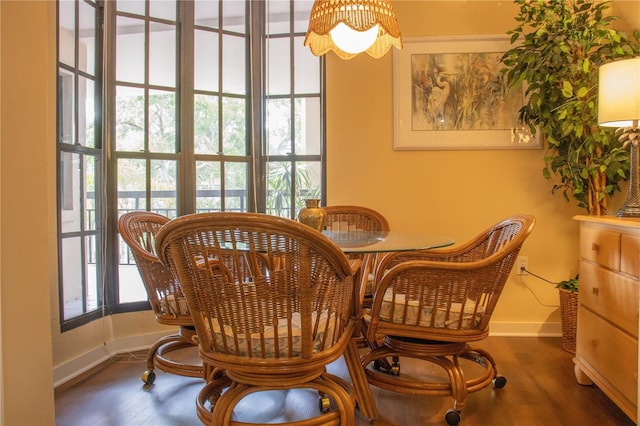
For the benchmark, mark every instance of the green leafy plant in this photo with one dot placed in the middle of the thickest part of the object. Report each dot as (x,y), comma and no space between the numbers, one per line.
(280,185)
(558,46)
(570,284)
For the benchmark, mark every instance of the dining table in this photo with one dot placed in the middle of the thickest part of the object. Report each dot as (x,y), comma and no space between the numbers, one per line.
(362,242)
(370,244)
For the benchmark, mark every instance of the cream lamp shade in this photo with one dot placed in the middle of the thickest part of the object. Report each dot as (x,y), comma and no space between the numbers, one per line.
(619,106)
(619,93)
(349,27)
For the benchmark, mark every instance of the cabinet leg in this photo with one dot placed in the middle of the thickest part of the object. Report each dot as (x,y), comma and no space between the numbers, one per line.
(582,378)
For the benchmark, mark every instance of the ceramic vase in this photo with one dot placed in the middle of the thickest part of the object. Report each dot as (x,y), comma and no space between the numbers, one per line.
(312,215)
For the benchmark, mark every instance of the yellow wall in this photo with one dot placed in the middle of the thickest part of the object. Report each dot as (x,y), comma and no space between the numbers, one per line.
(27,188)
(456,193)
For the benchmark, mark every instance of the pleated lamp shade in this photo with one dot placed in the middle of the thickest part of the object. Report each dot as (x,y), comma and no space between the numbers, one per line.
(349,27)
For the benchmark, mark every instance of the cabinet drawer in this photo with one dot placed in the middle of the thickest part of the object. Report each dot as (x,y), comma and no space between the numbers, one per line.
(630,254)
(600,246)
(611,295)
(609,351)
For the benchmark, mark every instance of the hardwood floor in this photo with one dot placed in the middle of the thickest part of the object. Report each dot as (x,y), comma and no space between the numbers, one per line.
(541,390)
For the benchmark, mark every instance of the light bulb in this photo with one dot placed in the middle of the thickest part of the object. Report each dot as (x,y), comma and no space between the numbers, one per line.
(352,41)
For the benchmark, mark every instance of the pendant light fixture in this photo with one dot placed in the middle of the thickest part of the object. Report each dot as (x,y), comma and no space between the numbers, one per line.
(349,27)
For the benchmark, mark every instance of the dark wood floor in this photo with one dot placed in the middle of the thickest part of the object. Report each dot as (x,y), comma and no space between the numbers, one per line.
(541,390)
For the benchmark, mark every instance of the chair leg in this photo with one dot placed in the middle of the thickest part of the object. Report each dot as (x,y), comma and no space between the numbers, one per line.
(364,397)
(458,386)
(373,345)
(490,374)
(209,396)
(459,390)
(148,377)
(225,403)
(156,357)
(170,366)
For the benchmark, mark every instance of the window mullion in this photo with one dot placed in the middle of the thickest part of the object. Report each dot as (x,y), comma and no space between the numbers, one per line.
(257,67)
(292,110)
(185,93)
(107,219)
(147,94)
(221,77)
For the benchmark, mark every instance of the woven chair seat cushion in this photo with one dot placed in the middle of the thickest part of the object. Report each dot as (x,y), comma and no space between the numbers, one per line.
(403,311)
(263,345)
(172,305)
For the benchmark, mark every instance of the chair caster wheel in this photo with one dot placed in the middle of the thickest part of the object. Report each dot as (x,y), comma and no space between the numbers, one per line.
(499,382)
(452,417)
(376,365)
(148,377)
(324,404)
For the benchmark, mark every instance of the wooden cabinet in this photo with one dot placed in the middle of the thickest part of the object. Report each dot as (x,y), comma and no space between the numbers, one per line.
(607,333)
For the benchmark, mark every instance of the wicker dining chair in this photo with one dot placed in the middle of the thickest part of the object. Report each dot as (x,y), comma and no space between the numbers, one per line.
(429,305)
(269,324)
(138,229)
(354,219)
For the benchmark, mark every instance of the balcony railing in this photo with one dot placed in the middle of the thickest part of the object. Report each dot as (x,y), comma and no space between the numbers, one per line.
(235,200)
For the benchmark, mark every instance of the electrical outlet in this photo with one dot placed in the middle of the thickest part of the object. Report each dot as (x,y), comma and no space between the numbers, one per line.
(522,264)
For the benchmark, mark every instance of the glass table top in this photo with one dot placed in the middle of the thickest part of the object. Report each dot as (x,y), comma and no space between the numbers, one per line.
(385,241)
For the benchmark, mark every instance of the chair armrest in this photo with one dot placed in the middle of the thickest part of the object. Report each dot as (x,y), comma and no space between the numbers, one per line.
(355,264)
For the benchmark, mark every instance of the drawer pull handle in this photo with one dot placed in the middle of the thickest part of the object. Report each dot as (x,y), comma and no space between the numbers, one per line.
(595,291)
(595,247)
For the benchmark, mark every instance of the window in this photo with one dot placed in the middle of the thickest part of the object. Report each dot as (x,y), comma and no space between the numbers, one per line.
(191,107)
(294,106)
(79,159)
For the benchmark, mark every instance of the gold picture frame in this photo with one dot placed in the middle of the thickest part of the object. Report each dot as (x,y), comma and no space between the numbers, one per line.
(449,94)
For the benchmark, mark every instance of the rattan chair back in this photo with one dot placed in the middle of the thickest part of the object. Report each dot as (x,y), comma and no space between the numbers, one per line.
(467,278)
(353,219)
(270,299)
(138,229)
(430,304)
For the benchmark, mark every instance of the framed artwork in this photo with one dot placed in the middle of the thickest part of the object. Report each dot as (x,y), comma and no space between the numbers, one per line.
(449,93)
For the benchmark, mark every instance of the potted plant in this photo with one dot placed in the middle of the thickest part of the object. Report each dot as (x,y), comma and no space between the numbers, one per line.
(569,312)
(558,46)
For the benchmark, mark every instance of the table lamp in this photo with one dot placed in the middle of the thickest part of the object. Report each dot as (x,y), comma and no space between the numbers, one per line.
(619,106)
(349,27)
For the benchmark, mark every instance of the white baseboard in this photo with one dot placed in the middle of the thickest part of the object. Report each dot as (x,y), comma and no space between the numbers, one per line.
(74,367)
(68,370)
(525,329)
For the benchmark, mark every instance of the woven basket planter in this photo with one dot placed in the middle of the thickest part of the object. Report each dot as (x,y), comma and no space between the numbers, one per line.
(569,319)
